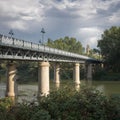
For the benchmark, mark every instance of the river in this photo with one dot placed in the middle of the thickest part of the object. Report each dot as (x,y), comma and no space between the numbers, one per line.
(29,91)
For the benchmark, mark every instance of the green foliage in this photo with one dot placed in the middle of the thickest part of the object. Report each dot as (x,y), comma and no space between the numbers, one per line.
(6,102)
(41,115)
(66,104)
(67,44)
(27,72)
(110,48)
(114,108)
(95,53)
(29,111)
(5,105)
(102,74)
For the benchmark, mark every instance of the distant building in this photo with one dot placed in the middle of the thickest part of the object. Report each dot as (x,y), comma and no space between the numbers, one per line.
(87,49)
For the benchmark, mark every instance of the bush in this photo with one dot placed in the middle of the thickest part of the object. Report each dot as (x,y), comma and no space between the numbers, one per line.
(5,106)
(6,103)
(88,104)
(41,115)
(67,104)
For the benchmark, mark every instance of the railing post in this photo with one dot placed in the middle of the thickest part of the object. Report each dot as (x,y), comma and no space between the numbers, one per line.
(38,46)
(13,41)
(23,43)
(31,45)
(0,38)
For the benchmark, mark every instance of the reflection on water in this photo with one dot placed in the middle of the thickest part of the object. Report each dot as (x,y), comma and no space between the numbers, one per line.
(77,87)
(29,92)
(2,90)
(57,85)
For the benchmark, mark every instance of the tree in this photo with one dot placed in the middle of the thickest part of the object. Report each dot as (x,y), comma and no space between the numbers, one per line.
(67,44)
(110,48)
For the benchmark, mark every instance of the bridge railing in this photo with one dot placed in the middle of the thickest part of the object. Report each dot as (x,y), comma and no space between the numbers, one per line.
(10,41)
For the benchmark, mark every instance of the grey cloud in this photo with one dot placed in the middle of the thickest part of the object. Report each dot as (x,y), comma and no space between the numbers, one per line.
(65,13)
(62,18)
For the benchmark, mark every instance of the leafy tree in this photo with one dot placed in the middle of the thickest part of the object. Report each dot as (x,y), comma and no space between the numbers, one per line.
(94,53)
(110,48)
(27,71)
(67,44)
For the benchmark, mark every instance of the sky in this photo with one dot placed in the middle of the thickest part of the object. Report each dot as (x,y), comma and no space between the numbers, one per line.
(84,20)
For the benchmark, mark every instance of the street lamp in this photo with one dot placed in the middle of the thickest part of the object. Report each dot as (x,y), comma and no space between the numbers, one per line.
(11,33)
(43,32)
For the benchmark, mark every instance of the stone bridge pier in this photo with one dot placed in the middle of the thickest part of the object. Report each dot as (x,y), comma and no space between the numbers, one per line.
(76,76)
(89,74)
(11,79)
(57,75)
(43,78)
(76,73)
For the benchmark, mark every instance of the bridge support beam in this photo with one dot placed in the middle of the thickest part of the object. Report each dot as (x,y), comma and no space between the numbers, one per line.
(43,79)
(77,73)
(11,78)
(89,72)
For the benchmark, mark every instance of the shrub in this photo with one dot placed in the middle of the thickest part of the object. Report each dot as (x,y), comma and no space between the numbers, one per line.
(5,106)
(41,115)
(67,104)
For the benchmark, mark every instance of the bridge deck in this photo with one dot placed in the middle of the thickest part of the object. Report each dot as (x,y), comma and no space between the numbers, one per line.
(15,49)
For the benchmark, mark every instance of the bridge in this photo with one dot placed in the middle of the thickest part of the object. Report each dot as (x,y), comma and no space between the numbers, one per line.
(13,49)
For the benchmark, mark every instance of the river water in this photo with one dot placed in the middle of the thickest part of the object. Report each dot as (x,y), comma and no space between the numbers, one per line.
(29,91)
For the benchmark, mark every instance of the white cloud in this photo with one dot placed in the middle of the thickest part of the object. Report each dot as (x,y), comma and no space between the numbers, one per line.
(90,35)
(83,19)
(17,25)
(20,12)
(90,30)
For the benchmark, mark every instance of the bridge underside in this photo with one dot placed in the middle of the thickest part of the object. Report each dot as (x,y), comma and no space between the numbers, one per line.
(10,53)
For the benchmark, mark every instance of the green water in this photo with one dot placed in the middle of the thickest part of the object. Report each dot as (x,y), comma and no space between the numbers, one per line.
(29,91)
(108,87)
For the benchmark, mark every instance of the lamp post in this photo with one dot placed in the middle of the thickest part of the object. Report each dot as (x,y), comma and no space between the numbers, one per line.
(43,32)
(11,33)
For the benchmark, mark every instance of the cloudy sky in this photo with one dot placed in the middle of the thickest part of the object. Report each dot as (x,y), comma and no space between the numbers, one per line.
(83,19)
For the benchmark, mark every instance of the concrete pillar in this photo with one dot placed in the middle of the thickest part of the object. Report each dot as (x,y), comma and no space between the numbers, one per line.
(102,65)
(43,79)
(11,78)
(89,72)
(57,73)
(77,73)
